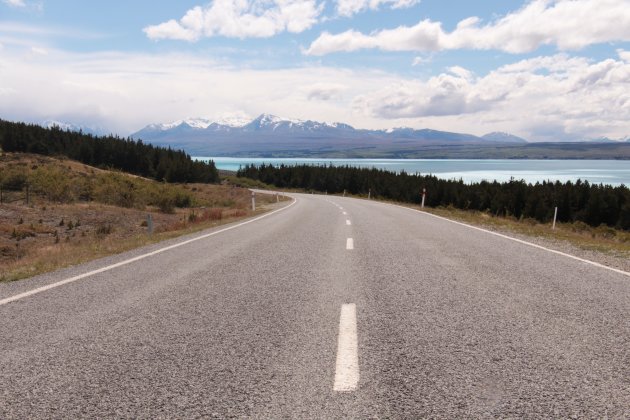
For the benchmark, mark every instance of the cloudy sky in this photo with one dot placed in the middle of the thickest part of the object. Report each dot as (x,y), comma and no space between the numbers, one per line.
(540,69)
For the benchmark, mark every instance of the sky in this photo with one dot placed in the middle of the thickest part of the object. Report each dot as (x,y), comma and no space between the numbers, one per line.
(545,70)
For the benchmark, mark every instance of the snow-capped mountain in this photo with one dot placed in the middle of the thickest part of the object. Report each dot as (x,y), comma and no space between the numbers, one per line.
(66,126)
(269,133)
(271,123)
(198,123)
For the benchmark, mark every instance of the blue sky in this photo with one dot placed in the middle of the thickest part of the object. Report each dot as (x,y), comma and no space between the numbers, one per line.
(541,69)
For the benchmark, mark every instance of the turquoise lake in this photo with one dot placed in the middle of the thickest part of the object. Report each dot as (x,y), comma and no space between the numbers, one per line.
(612,172)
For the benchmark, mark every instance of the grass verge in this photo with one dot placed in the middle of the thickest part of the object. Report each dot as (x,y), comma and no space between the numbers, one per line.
(56,213)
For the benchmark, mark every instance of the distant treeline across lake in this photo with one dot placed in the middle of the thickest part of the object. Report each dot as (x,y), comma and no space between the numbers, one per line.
(580,201)
(611,172)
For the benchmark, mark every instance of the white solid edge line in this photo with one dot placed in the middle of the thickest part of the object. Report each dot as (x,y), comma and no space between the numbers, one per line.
(134,259)
(593,263)
(347,364)
(349,243)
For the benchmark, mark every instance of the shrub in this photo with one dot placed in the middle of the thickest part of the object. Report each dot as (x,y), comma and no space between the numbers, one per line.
(104,229)
(55,183)
(166,204)
(13,178)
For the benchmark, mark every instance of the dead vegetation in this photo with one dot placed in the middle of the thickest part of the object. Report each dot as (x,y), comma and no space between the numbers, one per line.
(55,212)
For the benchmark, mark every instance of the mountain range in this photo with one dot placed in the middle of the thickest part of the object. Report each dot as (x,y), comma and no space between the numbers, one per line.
(66,126)
(271,136)
(268,134)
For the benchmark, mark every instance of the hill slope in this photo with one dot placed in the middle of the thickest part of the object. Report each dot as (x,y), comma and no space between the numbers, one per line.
(56,212)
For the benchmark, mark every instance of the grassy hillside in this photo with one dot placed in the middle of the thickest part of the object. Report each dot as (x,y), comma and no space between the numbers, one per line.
(57,212)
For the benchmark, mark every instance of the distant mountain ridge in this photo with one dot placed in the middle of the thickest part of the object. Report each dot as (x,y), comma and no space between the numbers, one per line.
(65,126)
(271,134)
(501,137)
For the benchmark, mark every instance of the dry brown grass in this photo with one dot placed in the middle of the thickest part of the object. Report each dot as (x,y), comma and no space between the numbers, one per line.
(45,235)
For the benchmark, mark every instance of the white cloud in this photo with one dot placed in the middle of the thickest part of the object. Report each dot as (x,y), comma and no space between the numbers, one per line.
(543,98)
(21,34)
(461,72)
(125,92)
(418,61)
(15,3)
(624,55)
(567,24)
(350,7)
(324,91)
(446,94)
(240,19)
(39,50)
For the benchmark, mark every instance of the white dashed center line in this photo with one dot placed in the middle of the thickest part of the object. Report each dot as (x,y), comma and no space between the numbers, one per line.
(348,222)
(349,243)
(345,214)
(347,366)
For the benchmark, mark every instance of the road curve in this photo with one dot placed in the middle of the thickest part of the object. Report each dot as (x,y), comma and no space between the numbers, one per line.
(331,308)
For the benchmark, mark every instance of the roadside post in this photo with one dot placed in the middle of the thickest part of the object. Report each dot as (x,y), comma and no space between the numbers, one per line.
(253,201)
(555,217)
(369,193)
(149,224)
(344,192)
(277,198)
(424,194)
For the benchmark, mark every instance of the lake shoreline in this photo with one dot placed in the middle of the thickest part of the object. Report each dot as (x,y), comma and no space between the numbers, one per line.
(607,172)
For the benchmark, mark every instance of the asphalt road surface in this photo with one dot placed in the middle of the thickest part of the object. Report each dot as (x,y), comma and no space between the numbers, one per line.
(330,308)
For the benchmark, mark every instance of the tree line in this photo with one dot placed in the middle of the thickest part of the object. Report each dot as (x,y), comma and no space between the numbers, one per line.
(581,201)
(128,155)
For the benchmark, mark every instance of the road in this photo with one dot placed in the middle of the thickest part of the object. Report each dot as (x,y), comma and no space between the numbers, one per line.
(330,308)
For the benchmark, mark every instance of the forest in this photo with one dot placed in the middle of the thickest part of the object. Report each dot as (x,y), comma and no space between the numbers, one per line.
(578,201)
(111,152)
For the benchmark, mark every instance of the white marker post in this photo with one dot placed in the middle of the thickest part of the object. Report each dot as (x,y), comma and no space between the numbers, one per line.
(253,201)
(369,193)
(149,224)
(344,192)
(555,217)
(424,194)
(277,198)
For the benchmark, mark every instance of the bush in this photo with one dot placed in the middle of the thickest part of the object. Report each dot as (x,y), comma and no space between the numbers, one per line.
(55,183)
(13,178)
(166,204)
(104,229)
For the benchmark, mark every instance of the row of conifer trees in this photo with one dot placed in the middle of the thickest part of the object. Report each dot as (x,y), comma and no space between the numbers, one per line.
(576,201)
(127,155)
